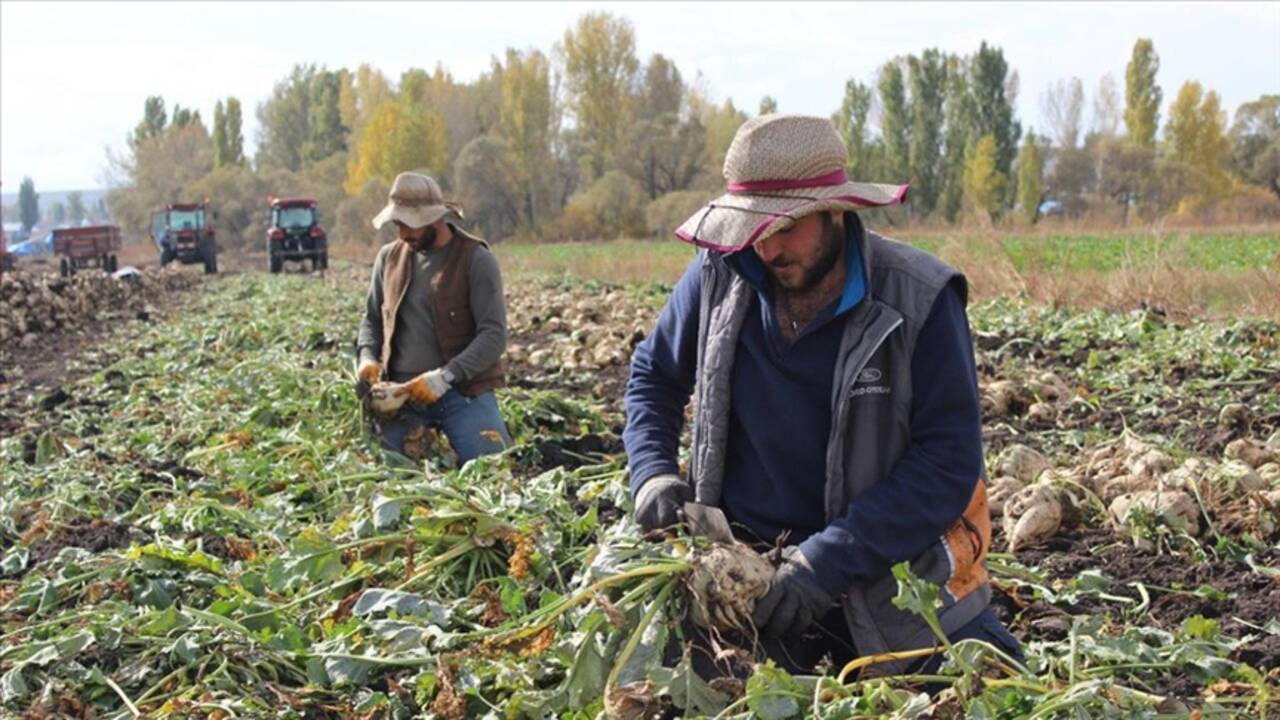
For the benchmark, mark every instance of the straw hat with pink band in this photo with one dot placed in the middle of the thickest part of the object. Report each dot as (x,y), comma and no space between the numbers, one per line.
(779,169)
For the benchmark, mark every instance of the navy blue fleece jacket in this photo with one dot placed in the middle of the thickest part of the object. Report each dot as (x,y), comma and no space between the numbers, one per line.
(780,419)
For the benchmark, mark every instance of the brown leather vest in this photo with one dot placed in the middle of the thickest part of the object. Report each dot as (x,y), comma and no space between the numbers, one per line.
(450,304)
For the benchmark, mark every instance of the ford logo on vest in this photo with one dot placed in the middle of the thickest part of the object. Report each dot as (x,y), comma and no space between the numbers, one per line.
(868,384)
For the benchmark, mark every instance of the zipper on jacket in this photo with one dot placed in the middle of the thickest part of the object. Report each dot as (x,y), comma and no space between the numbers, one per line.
(842,405)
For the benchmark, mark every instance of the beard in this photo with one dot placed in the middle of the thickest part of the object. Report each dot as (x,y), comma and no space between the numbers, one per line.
(425,241)
(832,245)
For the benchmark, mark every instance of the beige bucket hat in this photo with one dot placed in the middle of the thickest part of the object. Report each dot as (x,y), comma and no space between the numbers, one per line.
(415,200)
(780,168)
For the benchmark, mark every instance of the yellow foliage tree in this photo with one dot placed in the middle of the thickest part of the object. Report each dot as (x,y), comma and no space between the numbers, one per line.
(359,94)
(984,185)
(1197,134)
(600,66)
(525,120)
(398,137)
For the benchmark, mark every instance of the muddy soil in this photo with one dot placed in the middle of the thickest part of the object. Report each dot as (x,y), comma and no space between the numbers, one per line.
(94,535)
(1220,589)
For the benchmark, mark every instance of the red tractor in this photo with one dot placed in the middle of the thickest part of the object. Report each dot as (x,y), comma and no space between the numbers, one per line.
(183,232)
(294,233)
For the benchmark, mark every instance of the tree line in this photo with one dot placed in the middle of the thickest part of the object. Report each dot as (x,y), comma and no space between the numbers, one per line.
(72,212)
(587,141)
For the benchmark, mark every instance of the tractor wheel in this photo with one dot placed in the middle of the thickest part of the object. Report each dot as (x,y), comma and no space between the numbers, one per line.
(64,268)
(274,263)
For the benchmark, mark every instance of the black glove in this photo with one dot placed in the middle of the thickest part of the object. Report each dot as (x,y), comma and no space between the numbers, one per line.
(795,599)
(660,500)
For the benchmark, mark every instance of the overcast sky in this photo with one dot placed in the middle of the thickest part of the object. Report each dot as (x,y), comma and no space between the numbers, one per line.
(73,77)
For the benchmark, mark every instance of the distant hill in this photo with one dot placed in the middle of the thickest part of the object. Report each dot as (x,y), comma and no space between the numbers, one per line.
(49,197)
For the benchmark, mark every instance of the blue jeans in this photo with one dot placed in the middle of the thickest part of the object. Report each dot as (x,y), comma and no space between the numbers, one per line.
(472,425)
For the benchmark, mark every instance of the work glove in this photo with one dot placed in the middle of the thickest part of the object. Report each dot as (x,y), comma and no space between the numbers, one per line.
(428,388)
(386,399)
(660,500)
(795,599)
(367,375)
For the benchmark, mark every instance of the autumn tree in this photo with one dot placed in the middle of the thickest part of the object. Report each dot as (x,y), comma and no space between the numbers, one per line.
(992,107)
(526,126)
(851,122)
(958,109)
(183,117)
(927,77)
(399,137)
(599,64)
(28,204)
(157,171)
(153,122)
(721,122)
(1255,142)
(326,134)
(1125,173)
(1063,107)
(1030,177)
(359,94)
(984,184)
(488,183)
(1142,94)
(668,143)
(75,207)
(895,123)
(1197,137)
(302,120)
(219,135)
(1107,109)
(234,132)
(468,110)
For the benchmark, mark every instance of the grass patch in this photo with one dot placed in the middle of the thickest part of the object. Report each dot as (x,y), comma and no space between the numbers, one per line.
(1187,272)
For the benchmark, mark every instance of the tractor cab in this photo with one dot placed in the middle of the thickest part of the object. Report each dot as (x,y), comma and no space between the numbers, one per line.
(294,233)
(182,232)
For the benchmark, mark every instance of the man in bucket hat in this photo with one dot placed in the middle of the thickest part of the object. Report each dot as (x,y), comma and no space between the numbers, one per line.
(434,329)
(837,411)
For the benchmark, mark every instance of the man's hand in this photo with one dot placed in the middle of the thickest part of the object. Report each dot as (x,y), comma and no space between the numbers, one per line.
(387,398)
(659,501)
(428,388)
(795,599)
(367,375)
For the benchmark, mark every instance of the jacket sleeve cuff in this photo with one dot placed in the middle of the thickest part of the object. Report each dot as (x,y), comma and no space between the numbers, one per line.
(836,561)
(459,376)
(644,471)
(366,355)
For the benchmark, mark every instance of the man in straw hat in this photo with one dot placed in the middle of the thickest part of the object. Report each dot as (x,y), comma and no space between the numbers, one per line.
(837,410)
(435,327)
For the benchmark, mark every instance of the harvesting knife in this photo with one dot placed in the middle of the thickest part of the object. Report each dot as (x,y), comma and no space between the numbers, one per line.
(708,521)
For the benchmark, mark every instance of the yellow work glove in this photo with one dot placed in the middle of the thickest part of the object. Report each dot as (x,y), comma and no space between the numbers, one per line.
(367,375)
(428,388)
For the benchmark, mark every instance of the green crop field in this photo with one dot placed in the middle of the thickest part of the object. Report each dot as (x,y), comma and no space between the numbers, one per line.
(1060,255)
(194,523)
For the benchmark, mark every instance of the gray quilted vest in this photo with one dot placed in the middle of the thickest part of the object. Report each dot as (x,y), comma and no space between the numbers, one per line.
(870,430)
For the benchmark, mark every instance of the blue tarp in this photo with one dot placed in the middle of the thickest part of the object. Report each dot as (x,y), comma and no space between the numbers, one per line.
(36,247)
